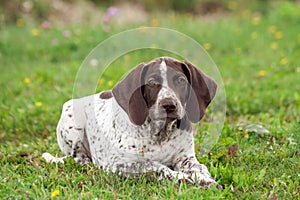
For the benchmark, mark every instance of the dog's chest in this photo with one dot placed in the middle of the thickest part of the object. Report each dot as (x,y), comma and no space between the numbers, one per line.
(114,139)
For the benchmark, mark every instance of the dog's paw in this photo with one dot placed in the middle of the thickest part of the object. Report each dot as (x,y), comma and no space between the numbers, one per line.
(183,178)
(52,159)
(177,176)
(82,160)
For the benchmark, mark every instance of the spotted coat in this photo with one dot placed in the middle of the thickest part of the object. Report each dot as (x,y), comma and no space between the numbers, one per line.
(143,125)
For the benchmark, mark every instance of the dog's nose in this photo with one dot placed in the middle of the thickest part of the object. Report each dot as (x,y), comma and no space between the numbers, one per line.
(168,105)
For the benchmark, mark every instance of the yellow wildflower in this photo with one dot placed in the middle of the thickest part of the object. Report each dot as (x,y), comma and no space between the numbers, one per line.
(55,193)
(278,35)
(100,81)
(262,73)
(283,61)
(153,46)
(274,45)
(20,22)
(239,32)
(254,35)
(207,46)
(38,104)
(238,50)
(272,29)
(127,58)
(27,80)
(35,32)
(232,5)
(142,28)
(246,13)
(172,17)
(110,83)
(256,21)
(154,22)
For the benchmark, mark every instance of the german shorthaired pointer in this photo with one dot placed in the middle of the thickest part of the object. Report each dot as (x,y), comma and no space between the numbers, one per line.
(143,124)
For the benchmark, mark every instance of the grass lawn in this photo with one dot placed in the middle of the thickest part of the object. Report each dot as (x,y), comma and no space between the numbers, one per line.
(258,58)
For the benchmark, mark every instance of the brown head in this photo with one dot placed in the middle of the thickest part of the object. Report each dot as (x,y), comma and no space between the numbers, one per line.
(165,88)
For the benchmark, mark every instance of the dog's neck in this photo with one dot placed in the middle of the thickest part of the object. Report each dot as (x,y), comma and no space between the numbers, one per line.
(158,130)
(161,130)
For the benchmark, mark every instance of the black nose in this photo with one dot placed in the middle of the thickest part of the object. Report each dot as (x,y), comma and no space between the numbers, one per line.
(168,105)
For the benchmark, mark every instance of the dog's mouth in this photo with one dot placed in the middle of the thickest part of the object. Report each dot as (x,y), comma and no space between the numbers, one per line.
(164,115)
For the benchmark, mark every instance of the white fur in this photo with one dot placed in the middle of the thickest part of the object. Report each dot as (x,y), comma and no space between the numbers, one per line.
(166,92)
(163,72)
(99,130)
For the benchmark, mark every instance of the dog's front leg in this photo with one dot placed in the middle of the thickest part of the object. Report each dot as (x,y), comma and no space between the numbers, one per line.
(196,171)
(151,168)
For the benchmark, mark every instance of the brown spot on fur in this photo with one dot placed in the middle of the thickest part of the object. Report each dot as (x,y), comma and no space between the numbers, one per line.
(106,94)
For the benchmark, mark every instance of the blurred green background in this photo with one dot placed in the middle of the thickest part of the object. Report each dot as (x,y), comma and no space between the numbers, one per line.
(255,44)
(65,10)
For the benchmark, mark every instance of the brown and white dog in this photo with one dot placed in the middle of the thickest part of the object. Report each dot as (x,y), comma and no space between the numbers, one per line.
(143,124)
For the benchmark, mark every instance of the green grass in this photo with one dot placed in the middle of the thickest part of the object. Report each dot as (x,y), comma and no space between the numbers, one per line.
(261,72)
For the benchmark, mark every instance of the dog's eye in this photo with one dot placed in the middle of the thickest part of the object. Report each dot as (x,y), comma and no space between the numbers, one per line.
(180,80)
(153,82)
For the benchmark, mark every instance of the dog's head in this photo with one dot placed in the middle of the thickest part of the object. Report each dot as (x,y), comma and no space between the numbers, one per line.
(165,88)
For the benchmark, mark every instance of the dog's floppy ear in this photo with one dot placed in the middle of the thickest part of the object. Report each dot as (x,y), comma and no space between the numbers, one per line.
(202,91)
(128,94)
